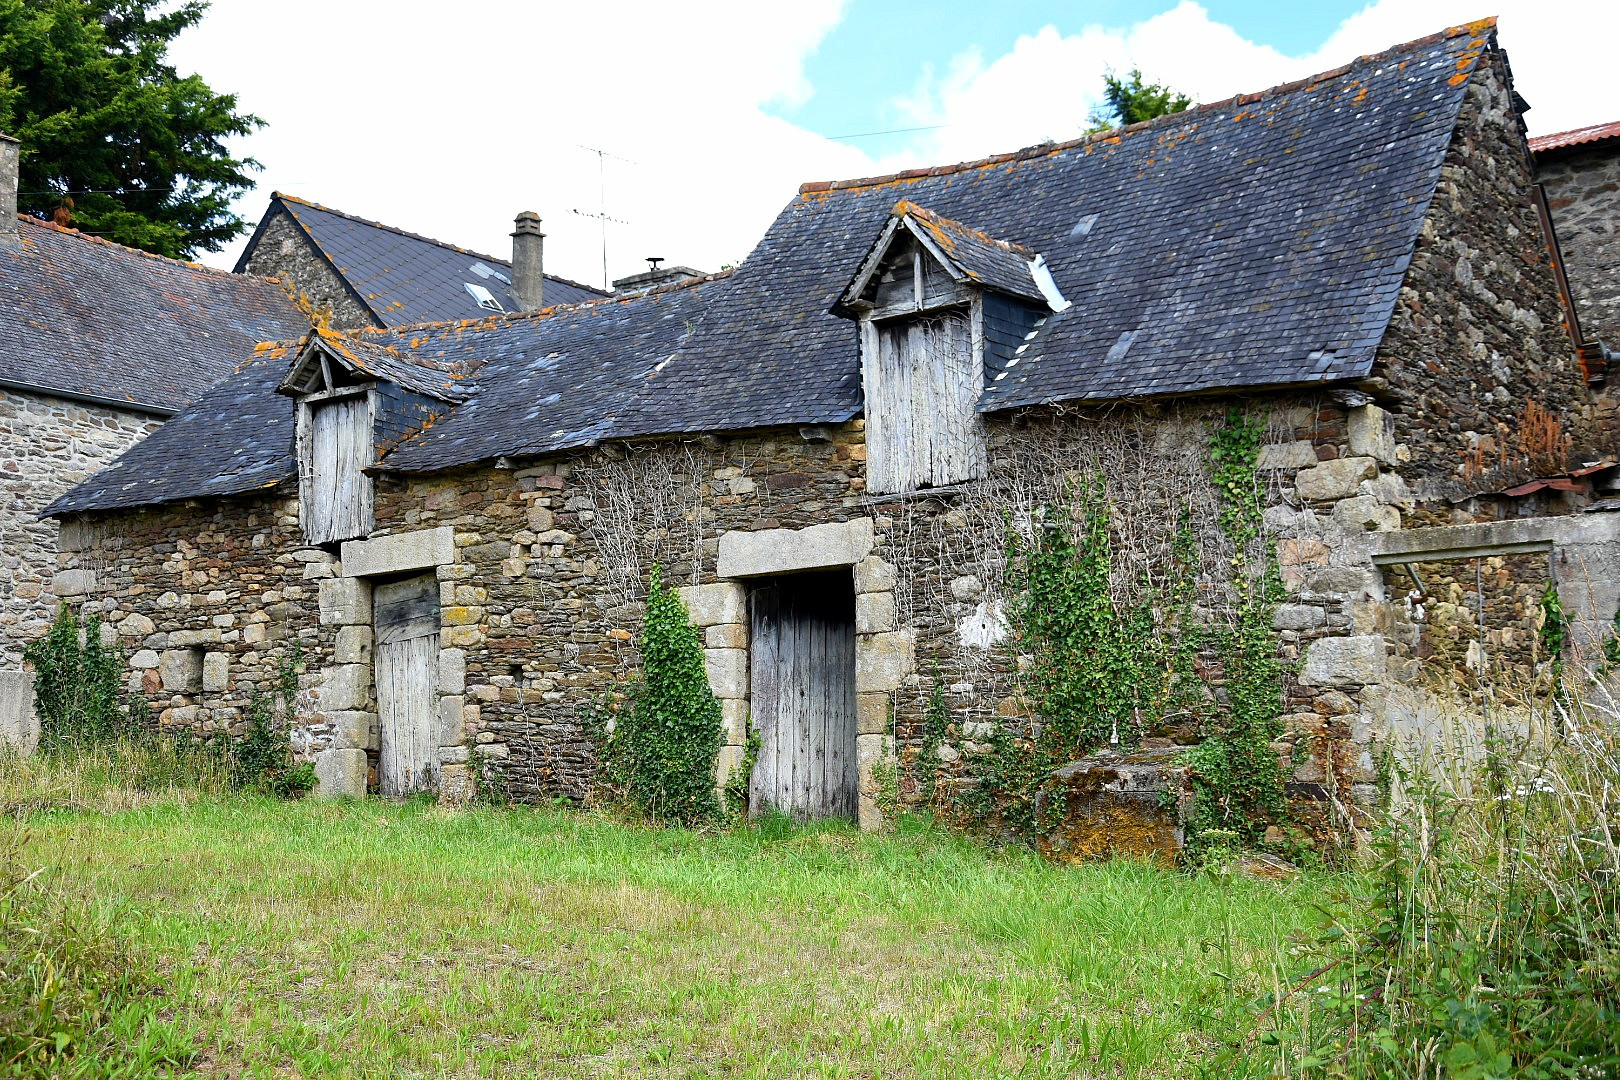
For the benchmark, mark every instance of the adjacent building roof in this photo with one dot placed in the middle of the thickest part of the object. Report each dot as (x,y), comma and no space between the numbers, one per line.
(92,319)
(1596,133)
(401,277)
(1257,242)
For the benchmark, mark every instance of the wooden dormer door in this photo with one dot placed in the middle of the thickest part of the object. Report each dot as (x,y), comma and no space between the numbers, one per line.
(337,445)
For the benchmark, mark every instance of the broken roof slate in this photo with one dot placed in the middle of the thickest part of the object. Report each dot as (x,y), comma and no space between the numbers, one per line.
(404,278)
(91,318)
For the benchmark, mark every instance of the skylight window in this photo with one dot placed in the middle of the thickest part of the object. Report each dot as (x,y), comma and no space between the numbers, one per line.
(485,271)
(483,297)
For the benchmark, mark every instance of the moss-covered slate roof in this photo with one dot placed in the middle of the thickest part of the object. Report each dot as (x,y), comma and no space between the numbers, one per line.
(94,319)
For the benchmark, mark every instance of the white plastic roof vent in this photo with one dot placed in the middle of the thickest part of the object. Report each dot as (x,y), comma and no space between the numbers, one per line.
(483,296)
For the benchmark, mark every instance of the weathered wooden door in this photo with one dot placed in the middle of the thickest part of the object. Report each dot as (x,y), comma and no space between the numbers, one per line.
(336,495)
(922,387)
(405,615)
(802,675)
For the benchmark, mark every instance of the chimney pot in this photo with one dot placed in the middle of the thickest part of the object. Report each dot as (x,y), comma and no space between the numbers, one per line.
(10,155)
(528,262)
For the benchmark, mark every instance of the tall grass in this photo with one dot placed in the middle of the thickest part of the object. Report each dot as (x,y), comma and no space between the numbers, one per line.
(64,979)
(1487,942)
(115,775)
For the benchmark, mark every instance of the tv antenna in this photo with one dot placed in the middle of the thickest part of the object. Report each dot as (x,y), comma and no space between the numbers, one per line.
(601,216)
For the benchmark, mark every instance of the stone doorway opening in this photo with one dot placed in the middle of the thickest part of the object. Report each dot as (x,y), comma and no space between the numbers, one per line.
(802,694)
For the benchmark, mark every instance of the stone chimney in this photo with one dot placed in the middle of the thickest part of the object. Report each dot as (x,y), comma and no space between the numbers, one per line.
(528,262)
(10,154)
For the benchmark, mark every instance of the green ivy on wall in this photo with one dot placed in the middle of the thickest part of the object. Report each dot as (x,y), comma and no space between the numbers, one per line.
(1099,672)
(662,751)
(78,685)
(1238,785)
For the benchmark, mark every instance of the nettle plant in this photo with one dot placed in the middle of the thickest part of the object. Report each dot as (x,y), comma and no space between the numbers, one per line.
(1100,671)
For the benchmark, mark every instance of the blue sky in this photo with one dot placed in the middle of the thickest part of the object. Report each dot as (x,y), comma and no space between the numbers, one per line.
(716,110)
(877,53)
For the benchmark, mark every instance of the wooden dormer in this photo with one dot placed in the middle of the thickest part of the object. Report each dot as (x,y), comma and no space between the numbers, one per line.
(920,299)
(336,420)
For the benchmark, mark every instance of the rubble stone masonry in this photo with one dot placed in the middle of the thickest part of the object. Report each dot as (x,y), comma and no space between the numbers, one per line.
(50,445)
(1583,192)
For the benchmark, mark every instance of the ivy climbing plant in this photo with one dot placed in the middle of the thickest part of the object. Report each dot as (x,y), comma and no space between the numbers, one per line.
(78,684)
(663,748)
(1237,777)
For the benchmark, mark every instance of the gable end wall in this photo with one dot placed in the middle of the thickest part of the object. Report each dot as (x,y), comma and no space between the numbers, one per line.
(1478,327)
(52,445)
(284,251)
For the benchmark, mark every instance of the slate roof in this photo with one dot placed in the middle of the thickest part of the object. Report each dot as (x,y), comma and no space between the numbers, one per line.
(974,254)
(1255,242)
(403,278)
(236,438)
(95,319)
(383,360)
(544,381)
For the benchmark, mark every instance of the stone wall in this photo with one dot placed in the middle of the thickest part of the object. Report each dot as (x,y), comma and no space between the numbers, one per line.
(284,252)
(205,602)
(1583,192)
(1478,331)
(51,444)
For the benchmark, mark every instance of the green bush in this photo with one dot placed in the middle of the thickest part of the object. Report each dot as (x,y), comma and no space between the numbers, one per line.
(78,684)
(662,751)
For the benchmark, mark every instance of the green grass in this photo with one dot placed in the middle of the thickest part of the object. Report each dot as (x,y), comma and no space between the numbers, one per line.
(369,939)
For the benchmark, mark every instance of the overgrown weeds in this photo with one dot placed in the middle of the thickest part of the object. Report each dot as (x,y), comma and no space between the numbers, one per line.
(63,980)
(116,775)
(1487,942)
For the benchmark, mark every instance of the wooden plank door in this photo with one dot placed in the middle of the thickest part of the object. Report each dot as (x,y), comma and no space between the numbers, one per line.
(336,495)
(802,675)
(405,615)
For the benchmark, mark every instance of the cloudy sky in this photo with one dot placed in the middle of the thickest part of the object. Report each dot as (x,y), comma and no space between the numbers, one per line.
(447,119)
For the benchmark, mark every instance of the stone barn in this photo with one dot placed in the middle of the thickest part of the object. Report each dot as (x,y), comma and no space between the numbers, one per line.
(100,345)
(838,449)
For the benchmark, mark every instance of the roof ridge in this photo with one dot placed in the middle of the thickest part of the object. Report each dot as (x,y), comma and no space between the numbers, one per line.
(547,312)
(397,231)
(1040,150)
(51,226)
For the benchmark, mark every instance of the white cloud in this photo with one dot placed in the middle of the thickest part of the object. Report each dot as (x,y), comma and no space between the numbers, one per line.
(448,120)
(1049,83)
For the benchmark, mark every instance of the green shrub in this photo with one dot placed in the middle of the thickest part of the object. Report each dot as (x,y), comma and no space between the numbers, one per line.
(78,684)
(663,748)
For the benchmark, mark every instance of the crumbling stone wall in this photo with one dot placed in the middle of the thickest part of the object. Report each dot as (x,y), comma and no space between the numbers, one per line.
(1583,192)
(1478,331)
(285,252)
(51,444)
